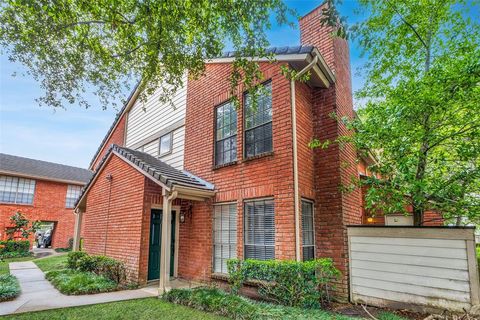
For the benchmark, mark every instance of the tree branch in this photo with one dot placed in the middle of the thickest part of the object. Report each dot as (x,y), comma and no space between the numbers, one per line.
(408,24)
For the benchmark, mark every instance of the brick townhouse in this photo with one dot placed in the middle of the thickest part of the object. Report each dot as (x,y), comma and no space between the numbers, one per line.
(41,191)
(213,182)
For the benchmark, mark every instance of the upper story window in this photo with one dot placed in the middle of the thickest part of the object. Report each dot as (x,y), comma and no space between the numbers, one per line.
(73,192)
(165,144)
(16,190)
(259,230)
(258,122)
(226,134)
(308,231)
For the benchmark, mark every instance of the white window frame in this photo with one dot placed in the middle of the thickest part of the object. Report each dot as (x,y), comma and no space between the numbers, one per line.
(16,183)
(312,203)
(160,154)
(67,198)
(231,253)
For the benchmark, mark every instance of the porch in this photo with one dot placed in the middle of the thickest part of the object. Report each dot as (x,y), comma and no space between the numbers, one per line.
(163,195)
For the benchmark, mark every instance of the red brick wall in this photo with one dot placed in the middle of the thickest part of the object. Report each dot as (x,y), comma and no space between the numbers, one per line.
(117,137)
(48,205)
(118,206)
(268,176)
(334,166)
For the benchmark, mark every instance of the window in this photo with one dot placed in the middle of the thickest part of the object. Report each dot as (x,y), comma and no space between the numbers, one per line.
(224,236)
(308,231)
(73,192)
(16,190)
(165,144)
(259,230)
(258,122)
(226,134)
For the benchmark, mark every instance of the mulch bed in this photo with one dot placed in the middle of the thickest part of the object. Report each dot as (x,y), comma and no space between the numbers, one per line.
(356,310)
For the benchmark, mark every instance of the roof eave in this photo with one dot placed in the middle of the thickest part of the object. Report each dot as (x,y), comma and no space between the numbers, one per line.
(323,73)
(38,177)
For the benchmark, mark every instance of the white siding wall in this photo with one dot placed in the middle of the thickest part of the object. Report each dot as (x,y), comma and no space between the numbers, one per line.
(430,272)
(147,119)
(175,159)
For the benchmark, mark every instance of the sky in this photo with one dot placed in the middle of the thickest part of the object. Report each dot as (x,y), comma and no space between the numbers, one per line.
(72,135)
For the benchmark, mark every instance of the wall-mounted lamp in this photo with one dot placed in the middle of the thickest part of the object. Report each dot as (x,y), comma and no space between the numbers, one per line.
(186,211)
(370,219)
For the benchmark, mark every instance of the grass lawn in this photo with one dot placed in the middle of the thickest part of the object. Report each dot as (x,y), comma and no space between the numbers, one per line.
(149,308)
(52,263)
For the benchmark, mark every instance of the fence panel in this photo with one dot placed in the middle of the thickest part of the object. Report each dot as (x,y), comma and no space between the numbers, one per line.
(416,268)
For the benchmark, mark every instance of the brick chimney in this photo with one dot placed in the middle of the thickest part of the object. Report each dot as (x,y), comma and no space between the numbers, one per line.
(334,166)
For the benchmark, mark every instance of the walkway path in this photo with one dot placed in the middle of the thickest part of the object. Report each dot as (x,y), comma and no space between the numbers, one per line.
(38,294)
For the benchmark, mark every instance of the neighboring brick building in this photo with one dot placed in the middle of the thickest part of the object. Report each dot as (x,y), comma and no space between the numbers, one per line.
(41,191)
(216,182)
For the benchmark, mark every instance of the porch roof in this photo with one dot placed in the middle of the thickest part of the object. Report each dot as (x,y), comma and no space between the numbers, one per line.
(156,170)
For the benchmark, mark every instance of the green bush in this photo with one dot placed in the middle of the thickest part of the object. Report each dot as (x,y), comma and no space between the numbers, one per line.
(9,287)
(14,254)
(301,284)
(73,257)
(11,246)
(74,282)
(100,265)
(237,307)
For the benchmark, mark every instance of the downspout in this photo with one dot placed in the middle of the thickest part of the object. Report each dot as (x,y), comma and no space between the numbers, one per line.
(295,156)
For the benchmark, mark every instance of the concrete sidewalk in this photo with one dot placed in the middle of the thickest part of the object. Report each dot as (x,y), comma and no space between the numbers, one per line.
(38,294)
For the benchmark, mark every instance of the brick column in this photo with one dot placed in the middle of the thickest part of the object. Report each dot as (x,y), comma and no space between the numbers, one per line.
(334,166)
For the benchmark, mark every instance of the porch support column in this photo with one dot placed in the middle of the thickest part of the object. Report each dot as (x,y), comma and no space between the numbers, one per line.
(77,230)
(168,197)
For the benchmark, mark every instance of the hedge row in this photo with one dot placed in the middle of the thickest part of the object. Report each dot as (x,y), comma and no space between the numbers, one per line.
(14,246)
(305,284)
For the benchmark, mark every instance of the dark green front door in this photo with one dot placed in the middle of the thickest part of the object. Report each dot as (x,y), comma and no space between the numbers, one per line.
(156,242)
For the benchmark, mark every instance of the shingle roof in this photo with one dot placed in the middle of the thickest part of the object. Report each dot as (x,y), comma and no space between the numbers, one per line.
(277,50)
(158,169)
(152,167)
(42,169)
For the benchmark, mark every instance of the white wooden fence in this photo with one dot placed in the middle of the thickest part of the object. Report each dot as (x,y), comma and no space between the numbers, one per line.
(427,268)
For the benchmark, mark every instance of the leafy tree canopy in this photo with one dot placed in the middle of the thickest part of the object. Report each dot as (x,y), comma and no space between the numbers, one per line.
(421,112)
(72,46)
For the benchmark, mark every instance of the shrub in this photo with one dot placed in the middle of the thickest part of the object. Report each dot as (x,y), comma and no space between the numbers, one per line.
(73,257)
(100,265)
(9,287)
(237,307)
(77,282)
(291,283)
(20,247)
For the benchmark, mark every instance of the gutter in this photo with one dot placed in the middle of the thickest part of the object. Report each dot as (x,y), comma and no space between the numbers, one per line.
(295,156)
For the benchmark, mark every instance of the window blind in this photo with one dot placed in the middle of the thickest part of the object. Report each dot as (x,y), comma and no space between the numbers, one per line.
(259,230)
(308,231)
(224,236)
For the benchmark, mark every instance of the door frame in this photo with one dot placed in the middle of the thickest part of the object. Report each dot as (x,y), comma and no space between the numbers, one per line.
(177,227)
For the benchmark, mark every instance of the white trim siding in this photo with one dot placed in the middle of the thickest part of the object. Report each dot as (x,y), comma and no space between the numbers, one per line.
(149,120)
